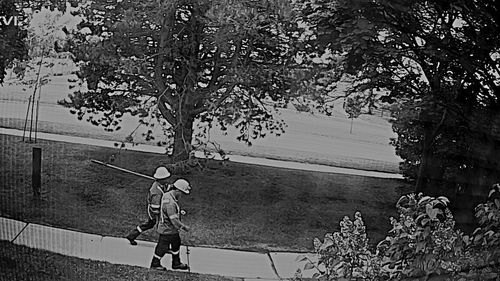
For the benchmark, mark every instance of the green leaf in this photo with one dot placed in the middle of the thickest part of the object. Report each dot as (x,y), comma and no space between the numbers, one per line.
(431,212)
(444,200)
(424,199)
(309,266)
(478,237)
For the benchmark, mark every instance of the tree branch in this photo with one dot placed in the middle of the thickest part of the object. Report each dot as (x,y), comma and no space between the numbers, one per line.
(236,55)
(216,71)
(219,102)
(439,126)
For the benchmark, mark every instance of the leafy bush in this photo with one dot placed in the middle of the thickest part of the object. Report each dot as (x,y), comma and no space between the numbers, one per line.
(345,254)
(488,215)
(482,260)
(422,242)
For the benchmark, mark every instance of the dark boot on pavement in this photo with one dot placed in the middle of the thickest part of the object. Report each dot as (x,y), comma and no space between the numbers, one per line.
(132,236)
(180,266)
(155,264)
(177,264)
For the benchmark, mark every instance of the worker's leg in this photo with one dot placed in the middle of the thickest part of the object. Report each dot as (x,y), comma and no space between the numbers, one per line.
(150,223)
(162,247)
(175,248)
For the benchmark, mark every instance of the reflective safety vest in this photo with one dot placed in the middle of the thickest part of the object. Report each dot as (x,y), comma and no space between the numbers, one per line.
(154,199)
(169,210)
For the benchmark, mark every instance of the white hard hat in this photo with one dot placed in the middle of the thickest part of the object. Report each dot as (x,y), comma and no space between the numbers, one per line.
(182,185)
(161,173)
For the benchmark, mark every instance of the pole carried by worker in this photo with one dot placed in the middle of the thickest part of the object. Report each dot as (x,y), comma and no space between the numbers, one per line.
(183,213)
(122,169)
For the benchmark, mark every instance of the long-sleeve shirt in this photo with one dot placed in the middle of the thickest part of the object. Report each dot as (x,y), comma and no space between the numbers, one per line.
(154,199)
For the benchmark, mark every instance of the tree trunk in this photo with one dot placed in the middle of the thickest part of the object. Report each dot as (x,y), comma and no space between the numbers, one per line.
(423,169)
(430,172)
(183,137)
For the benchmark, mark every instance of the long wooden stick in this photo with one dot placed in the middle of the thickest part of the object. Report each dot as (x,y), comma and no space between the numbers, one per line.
(121,169)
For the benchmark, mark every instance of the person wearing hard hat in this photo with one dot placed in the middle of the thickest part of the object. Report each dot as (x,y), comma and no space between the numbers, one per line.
(168,226)
(158,188)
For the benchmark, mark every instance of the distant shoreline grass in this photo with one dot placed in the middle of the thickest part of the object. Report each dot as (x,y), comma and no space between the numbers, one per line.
(234,205)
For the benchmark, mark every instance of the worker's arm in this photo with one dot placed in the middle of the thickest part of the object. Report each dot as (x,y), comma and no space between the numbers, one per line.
(174,218)
(154,202)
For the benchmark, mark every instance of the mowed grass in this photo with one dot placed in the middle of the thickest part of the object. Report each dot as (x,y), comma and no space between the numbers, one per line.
(262,151)
(232,205)
(23,263)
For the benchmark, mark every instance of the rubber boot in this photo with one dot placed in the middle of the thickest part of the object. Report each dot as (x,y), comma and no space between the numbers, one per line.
(176,263)
(132,236)
(155,264)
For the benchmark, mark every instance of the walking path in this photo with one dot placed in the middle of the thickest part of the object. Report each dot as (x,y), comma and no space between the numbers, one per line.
(233,158)
(239,264)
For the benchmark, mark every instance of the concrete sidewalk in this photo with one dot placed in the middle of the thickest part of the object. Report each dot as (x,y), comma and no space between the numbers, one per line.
(233,158)
(230,263)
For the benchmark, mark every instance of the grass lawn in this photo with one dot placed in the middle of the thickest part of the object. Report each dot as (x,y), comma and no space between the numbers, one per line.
(232,206)
(23,263)
(311,138)
(82,129)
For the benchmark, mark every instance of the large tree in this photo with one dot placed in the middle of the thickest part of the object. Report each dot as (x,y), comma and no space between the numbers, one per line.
(439,60)
(218,61)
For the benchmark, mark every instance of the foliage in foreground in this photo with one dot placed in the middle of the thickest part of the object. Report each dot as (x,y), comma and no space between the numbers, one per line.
(423,243)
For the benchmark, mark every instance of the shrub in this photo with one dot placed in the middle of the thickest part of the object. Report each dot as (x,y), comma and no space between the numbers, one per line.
(422,242)
(345,254)
(482,259)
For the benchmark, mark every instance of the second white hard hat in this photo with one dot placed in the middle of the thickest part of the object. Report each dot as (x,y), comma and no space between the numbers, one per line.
(182,185)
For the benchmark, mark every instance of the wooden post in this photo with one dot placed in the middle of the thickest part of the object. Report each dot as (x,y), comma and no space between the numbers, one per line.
(36,176)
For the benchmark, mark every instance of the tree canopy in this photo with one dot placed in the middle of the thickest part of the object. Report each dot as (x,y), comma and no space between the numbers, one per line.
(218,61)
(439,61)
(14,41)
(12,37)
